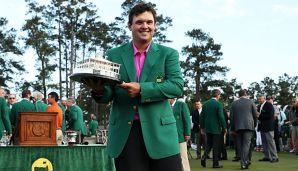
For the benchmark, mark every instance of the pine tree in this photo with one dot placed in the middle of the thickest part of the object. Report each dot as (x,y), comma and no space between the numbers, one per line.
(40,39)
(10,51)
(200,69)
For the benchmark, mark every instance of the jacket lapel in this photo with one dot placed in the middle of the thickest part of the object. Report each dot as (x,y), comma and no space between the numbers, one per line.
(128,61)
(151,59)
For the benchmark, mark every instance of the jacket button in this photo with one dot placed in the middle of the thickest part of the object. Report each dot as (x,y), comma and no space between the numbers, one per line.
(129,122)
(135,108)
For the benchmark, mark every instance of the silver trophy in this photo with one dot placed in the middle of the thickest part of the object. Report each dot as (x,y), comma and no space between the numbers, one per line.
(96,68)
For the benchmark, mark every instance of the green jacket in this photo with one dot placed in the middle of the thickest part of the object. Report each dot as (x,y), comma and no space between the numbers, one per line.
(182,116)
(21,106)
(63,112)
(212,117)
(160,80)
(93,126)
(40,106)
(4,120)
(76,121)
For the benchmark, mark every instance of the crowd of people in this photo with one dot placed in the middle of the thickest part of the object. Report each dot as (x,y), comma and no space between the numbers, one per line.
(247,125)
(69,114)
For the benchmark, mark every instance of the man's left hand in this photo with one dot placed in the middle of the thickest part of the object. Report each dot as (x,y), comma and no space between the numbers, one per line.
(132,88)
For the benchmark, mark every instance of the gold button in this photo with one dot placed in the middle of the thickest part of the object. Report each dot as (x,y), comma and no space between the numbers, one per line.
(129,122)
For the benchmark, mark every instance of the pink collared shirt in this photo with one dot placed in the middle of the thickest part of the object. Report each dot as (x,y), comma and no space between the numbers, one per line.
(139,58)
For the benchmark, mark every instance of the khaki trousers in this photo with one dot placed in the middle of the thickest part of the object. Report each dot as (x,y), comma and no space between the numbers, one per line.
(184,156)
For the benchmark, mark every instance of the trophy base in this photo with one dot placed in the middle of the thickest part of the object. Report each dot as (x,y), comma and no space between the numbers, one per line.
(106,79)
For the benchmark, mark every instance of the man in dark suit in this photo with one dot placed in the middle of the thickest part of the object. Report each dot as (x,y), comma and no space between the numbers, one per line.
(199,138)
(266,127)
(243,122)
(142,128)
(212,123)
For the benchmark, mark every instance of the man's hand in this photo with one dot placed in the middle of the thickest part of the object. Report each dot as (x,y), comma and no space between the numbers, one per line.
(225,131)
(132,88)
(96,85)
(186,137)
(9,136)
(203,131)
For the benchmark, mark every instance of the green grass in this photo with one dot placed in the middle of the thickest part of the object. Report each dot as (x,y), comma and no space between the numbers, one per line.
(287,162)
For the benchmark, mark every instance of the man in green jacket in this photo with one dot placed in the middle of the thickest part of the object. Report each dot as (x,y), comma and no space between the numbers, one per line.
(212,123)
(40,106)
(93,125)
(76,121)
(4,115)
(142,133)
(25,105)
(182,116)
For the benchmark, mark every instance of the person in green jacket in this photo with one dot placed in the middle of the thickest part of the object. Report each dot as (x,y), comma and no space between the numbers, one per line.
(76,121)
(25,105)
(212,123)
(93,125)
(40,106)
(4,115)
(182,116)
(141,113)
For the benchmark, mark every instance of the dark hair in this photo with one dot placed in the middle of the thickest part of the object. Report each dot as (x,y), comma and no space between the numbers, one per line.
(242,92)
(139,9)
(54,95)
(26,93)
(215,92)
(269,97)
(198,100)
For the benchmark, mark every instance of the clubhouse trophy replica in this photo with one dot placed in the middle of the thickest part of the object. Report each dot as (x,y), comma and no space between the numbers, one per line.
(97,68)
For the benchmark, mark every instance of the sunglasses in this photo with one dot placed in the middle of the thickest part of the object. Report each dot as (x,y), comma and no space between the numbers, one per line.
(12,98)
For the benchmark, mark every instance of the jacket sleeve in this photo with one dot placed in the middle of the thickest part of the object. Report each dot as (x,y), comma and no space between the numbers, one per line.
(232,118)
(5,117)
(73,116)
(171,87)
(221,116)
(254,113)
(186,119)
(202,118)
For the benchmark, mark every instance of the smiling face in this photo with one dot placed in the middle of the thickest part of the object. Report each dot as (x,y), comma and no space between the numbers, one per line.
(142,28)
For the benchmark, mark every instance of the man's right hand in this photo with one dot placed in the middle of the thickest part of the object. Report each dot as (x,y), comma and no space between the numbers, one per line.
(202,131)
(97,86)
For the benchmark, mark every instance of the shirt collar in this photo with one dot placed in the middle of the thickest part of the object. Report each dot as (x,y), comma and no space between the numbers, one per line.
(135,49)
